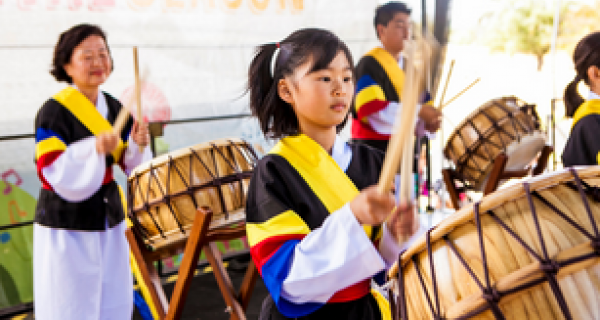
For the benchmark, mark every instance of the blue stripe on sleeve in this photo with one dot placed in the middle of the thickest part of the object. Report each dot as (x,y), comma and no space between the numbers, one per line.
(364,81)
(43,134)
(275,271)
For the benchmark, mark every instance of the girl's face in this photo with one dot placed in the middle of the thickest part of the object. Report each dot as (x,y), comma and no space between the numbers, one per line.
(320,99)
(90,63)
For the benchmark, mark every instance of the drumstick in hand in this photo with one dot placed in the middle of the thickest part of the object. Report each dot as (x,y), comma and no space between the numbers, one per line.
(123,115)
(405,125)
(138,90)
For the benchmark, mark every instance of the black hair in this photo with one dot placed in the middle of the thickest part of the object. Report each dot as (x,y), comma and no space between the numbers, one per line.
(386,12)
(586,54)
(276,117)
(67,42)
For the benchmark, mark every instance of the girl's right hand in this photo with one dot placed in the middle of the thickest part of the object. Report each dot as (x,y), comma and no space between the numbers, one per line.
(106,142)
(372,208)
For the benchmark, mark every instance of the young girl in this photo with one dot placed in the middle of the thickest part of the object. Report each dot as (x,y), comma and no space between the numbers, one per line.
(583,145)
(310,229)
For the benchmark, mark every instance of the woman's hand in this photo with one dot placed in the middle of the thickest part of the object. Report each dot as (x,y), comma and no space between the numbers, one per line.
(403,222)
(106,142)
(140,134)
(372,208)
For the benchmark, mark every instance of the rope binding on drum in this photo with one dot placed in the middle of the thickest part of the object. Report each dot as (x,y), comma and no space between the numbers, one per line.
(490,294)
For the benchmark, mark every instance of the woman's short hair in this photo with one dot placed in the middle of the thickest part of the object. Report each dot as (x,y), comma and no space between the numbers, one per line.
(67,42)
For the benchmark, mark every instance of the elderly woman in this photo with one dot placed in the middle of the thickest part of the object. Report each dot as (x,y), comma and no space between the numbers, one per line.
(81,256)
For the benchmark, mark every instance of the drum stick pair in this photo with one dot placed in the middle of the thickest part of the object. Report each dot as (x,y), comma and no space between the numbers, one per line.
(400,147)
(442,104)
(403,133)
(447,81)
(135,98)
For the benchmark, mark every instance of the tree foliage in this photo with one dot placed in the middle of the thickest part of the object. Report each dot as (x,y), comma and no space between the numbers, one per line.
(524,27)
(579,20)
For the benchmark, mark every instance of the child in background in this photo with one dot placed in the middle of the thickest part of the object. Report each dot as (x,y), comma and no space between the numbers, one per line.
(583,145)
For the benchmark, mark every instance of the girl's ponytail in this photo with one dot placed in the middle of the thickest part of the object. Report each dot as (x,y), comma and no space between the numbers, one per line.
(260,82)
(265,103)
(572,97)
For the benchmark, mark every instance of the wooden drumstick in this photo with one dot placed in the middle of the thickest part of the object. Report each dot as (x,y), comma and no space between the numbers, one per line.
(123,115)
(459,94)
(405,129)
(138,90)
(406,168)
(447,81)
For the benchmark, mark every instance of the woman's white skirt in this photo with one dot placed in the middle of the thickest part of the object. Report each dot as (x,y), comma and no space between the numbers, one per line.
(82,275)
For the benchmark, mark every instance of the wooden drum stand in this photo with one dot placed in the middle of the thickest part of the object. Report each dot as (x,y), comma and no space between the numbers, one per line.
(497,174)
(201,238)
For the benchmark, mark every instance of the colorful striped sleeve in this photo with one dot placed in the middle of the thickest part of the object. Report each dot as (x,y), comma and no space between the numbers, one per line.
(48,146)
(305,268)
(272,246)
(72,169)
(267,238)
(369,98)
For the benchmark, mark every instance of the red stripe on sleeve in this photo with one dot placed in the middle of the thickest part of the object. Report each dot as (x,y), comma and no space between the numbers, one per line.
(371,107)
(44,161)
(264,250)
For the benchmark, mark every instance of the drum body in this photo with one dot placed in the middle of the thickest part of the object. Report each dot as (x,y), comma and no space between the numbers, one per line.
(163,194)
(530,251)
(505,125)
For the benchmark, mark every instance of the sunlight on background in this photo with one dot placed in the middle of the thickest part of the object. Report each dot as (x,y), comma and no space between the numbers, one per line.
(482,49)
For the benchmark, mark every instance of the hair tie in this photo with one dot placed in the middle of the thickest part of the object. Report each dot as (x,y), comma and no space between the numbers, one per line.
(274,59)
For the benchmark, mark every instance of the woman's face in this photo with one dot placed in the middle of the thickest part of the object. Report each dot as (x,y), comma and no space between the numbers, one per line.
(90,63)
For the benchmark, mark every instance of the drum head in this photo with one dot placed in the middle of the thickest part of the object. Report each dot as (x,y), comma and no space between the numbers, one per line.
(521,153)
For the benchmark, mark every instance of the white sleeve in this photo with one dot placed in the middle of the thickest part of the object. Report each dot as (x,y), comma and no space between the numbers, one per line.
(389,248)
(382,121)
(78,172)
(133,157)
(330,258)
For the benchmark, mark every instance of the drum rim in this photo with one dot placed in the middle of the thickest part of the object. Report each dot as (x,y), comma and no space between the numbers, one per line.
(220,221)
(461,124)
(182,152)
(493,201)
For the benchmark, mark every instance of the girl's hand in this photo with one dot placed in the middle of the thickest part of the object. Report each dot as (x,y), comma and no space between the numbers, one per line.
(106,142)
(403,222)
(140,134)
(372,208)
